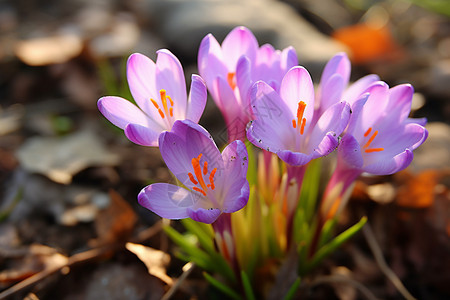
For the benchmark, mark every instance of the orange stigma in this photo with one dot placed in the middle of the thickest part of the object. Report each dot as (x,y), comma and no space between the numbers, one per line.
(231,79)
(166,111)
(372,137)
(300,122)
(198,180)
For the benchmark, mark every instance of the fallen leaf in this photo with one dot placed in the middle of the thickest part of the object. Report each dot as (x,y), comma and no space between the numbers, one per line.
(59,158)
(49,50)
(116,222)
(156,261)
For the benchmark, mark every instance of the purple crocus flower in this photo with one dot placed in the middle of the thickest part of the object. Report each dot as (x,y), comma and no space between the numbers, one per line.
(214,183)
(379,140)
(231,69)
(283,121)
(159,90)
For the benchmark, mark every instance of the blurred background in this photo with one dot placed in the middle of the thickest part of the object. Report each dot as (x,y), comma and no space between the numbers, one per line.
(69,179)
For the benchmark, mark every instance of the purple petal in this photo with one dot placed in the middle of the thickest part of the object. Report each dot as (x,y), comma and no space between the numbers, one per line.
(197,99)
(375,107)
(349,151)
(288,59)
(355,90)
(390,165)
(329,142)
(420,121)
(167,200)
(243,80)
(355,117)
(333,121)
(237,196)
(338,64)
(211,63)
(272,130)
(142,135)
(207,216)
(141,76)
(297,86)
(240,41)
(121,112)
(400,99)
(331,91)
(235,158)
(294,158)
(170,77)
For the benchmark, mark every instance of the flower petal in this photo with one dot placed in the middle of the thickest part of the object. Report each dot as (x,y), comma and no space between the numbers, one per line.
(297,86)
(207,216)
(142,135)
(338,64)
(141,76)
(211,63)
(349,152)
(355,90)
(331,91)
(240,41)
(333,120)
(272,129)
(244,80)
(288,59)
(197,99)
(390,165)
(167,200)
(235,158)
(327,145)
(237,196)
(294,158)
(121,112)
(170,77)
(400,99)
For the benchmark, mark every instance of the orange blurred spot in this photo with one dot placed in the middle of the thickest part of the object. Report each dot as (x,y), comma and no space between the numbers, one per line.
(366,42)
(418,192)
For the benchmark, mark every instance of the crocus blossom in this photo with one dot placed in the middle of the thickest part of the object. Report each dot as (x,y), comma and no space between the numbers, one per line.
(379,140)
(231,69)
(214,182)
(159,90)
(282,121)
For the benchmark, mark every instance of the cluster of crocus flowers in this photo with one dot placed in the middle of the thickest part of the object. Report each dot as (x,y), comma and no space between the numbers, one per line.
(231,69)
(267,99)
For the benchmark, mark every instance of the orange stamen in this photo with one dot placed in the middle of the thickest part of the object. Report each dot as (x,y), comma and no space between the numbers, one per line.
(300,110)
(164,101)
(371,139)
(191,177)
(161,113)
(211,178)
(198,171)
(302,129)
(231,79)
(373,150)
(171,111)
(294,124)
(154,103)
(170,99)
(199,190)
(368,132)
(205,168)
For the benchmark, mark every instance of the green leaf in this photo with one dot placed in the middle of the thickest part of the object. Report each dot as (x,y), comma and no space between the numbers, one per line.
(292,290)
(222,287)
(248,290)
(334,244)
